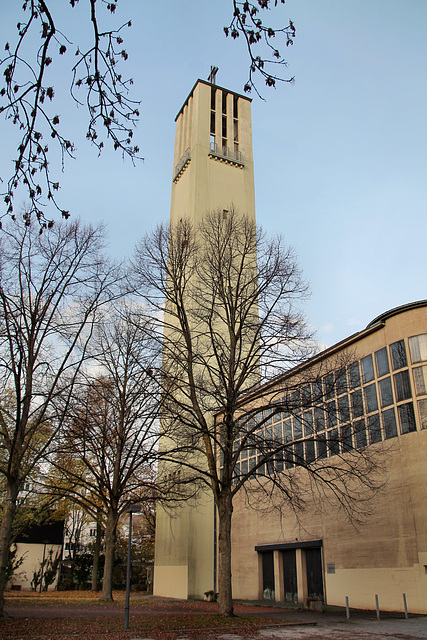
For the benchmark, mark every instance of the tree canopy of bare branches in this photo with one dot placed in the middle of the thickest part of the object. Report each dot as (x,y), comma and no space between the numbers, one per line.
(109,448)
(52,286)
(248,23)
(230,298)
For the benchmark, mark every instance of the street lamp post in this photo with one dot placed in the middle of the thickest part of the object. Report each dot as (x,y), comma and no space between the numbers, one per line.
(135,508)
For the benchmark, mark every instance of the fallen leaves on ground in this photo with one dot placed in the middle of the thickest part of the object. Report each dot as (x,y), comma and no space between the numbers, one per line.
(111,628)
(151,617)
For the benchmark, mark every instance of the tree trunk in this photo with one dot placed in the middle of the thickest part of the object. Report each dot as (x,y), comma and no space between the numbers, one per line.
(225,598)
(6,535)
(96,552)
(110,543)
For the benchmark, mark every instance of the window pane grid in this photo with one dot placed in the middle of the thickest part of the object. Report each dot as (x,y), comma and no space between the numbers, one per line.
(364,416)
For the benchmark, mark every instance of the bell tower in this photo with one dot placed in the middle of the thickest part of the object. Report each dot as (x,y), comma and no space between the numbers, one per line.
(213,164)
(212,170)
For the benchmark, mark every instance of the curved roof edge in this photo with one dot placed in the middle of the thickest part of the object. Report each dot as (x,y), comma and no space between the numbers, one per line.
(395,311)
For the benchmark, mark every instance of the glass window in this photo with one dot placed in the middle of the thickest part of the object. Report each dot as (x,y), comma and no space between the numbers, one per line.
(299,453)
(333,442)
(381,360)
(371,398)
(244,467)
(321,448)
(331,413)
(310,453)
(386,392)
(270,466)
(344,409)
(308,423)
(236,472)
(279,461)
(402,386)
(398,355)
(346,438)
(328,385)
(367,368)
(422,409)
(341,381)
(287,430)
(389,422)
(356,404)
(374,428)
(420,379)
(296,400)
(306,396)
(319,419)
(289,457)
(259,417)
(267,416)
(317,391)
(407,418)
(297,427)
(277,416)
(354,375)
(278,432)
(360,433)
(418,348)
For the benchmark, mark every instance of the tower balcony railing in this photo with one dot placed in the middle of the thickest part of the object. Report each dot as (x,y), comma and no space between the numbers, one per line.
(232,155)
(182,164)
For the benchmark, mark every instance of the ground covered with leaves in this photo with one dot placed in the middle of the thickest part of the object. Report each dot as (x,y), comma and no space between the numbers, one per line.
(65,615)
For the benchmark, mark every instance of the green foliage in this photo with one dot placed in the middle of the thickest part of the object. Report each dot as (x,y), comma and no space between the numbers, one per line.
(77,572)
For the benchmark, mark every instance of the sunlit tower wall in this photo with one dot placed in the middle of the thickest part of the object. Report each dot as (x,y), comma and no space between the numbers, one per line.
(212,171)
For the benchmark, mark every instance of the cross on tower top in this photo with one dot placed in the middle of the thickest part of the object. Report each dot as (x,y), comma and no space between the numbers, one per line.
(212,75)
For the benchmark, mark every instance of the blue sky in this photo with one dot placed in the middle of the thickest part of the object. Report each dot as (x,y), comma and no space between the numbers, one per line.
(340,156)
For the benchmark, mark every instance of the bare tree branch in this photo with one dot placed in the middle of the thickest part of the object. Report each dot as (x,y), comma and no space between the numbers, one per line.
(29,101)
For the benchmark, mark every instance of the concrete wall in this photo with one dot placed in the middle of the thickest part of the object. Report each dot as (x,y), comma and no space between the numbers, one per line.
(33,556)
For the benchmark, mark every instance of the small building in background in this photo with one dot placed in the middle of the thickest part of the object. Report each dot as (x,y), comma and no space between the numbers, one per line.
(40,548)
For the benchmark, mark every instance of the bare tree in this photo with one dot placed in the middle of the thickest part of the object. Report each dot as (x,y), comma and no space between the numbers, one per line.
(229,299)
(51,289)
(269,63)
(111,435)
(27,98)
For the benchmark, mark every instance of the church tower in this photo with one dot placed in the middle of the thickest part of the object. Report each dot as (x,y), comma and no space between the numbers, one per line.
(213,170)
(213,165)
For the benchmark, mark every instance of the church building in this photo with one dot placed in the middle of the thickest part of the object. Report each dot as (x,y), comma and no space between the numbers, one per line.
(380,404)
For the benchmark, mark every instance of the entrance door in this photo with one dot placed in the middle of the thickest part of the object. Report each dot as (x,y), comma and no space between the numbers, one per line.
(290,575)
(313,558)
(268,575)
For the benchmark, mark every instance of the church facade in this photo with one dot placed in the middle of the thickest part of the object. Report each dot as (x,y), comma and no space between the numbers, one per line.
(317,553)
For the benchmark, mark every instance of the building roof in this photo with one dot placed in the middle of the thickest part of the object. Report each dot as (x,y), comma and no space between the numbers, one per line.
(395,311)
(209,84)
(373,326)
